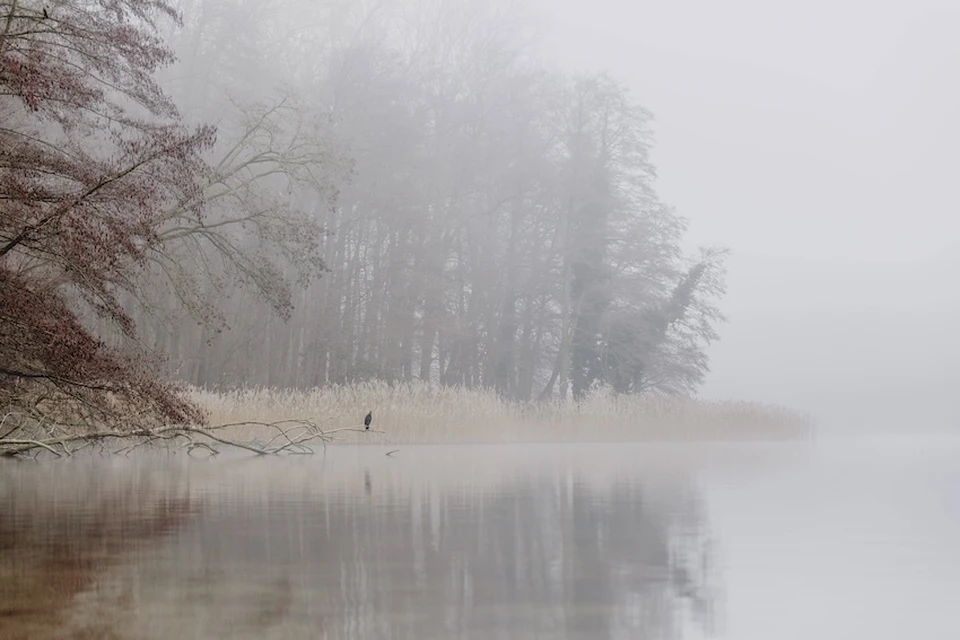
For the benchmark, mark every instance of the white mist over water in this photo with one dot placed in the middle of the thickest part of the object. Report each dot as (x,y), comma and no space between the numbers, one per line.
(837,540)
(856,540)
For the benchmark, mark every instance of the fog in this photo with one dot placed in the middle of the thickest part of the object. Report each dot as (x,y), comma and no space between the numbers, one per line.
(818,141)
(549,201)
(519,318)
(513,318)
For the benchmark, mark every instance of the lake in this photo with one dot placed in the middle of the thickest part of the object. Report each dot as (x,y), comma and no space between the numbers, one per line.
(840,539)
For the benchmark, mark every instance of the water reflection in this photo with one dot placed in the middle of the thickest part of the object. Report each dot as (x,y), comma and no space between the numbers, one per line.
(354,549)
(61,536)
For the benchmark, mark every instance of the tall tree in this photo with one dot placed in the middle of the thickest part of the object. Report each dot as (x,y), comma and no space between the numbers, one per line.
(499,228)
(91,153)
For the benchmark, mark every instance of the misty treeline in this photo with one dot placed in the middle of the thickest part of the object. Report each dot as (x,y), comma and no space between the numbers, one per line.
(498,227)
(294,193)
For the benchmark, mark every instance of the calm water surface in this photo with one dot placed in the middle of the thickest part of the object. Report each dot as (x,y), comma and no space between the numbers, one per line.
(838,540)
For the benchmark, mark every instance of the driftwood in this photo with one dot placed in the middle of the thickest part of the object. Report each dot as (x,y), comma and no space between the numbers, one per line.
(298,437)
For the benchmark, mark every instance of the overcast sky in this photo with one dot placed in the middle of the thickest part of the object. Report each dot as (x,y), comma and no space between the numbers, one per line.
(820,141)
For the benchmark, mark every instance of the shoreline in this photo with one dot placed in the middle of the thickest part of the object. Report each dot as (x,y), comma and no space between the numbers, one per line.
(271,421)
(412,413)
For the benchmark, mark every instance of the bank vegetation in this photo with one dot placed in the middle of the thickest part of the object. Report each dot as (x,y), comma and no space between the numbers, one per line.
(334,200)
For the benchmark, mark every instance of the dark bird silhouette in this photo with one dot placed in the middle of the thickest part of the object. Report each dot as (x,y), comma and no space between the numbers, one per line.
(45,14)
(367,421)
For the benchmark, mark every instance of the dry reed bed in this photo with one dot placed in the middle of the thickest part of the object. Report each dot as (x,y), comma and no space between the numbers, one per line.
(418,413)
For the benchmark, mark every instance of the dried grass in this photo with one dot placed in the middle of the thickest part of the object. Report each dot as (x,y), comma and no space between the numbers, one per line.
(418,413)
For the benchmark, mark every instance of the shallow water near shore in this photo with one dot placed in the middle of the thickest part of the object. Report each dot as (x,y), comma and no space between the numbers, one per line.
(855,539)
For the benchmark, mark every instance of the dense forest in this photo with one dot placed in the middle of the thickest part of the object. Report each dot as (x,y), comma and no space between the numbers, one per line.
(295,194)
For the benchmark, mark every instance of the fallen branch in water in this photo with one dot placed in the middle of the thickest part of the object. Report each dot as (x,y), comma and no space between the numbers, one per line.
(290,437)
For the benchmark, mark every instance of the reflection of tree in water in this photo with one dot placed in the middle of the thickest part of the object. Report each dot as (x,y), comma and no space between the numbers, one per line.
(59,539)
(540,557)
(593,564)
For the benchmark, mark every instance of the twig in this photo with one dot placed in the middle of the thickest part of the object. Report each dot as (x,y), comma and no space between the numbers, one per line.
(203,445)
(16,428)
(291,437)
(28,445)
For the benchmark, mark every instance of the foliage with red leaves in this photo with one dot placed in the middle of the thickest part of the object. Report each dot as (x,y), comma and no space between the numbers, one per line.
(92,155)
(70,377)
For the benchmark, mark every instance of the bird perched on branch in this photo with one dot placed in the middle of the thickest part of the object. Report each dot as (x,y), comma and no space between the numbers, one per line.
(367,421)
(45,14)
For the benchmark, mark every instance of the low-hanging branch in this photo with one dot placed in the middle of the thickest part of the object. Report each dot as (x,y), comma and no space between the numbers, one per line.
(289,437)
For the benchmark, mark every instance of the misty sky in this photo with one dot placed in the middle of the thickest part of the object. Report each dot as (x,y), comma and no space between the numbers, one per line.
(821,142)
